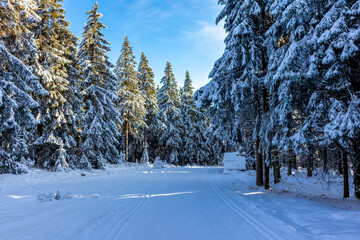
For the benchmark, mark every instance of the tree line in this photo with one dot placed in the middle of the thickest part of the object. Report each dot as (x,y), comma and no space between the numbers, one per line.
(286,90)
(64,105)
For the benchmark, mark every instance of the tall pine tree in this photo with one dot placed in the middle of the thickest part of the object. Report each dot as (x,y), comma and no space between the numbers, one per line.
(132,102)
(57,47)
(148,89)
(101,120)
(169,114)
(195,149)
(18,85)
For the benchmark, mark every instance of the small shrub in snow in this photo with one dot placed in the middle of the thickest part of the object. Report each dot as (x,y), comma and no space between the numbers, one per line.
(158,163)
(145,156)
(48,197)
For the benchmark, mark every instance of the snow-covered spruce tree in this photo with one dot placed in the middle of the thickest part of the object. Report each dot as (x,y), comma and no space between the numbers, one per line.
(300,93)
(215,97)
(132,102)
(288,52)
(18,85)
(195,149)
(57,47)
(74,107)
(188,153)
(238,76)
(148,89)
(170,114)
(338,36)
(101,120)
(311,78)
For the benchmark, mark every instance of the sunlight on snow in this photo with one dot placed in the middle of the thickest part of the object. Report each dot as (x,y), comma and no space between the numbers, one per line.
(127,196)
(175,172)
(17,196)
(250,193)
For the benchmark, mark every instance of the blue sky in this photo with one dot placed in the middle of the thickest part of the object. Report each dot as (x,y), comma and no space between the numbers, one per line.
(181,31)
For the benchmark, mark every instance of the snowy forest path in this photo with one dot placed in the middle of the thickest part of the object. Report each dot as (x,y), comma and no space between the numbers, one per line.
(178,203)
(261,229)
(121,224)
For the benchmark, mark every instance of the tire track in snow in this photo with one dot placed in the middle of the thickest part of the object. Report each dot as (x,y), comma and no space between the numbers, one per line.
(263,230)
(122,223)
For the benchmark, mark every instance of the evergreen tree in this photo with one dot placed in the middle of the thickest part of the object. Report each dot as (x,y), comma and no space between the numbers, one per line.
(287,50)
(18,85)
(338,36)
(237,95)
(169,114)
(195,149)
(132,102)
(291,66)
(57,47)
(100,131)
(188,153)
(148,89)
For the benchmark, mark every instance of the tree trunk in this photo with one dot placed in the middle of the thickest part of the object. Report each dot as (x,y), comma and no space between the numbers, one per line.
(289,172)
(289,165)
(340,167)
(295,161)
(325,159)
(127,142)
(168,155)
(267,174)
(259,164)
(357,171)
(133,156)
(357,180)
(309,164)
(277,175)
(346,174)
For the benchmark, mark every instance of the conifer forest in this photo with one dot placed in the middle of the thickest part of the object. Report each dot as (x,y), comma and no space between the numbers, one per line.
(138,156)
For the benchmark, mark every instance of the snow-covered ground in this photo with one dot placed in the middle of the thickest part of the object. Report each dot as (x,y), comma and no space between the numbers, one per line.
(140,203)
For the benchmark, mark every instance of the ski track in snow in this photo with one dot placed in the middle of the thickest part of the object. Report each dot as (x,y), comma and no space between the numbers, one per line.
(261,228)
(163,204)
(116,230)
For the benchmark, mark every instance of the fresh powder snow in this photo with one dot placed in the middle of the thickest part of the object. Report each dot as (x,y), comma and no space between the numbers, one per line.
(140,203)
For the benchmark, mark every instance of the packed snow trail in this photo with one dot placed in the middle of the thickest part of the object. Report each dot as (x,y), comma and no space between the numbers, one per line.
(162,204)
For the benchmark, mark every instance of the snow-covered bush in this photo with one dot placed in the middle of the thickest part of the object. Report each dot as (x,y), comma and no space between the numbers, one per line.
(48,197)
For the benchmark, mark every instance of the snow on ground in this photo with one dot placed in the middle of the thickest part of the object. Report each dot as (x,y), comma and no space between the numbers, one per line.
(325,188)
(140,203)
(234,161)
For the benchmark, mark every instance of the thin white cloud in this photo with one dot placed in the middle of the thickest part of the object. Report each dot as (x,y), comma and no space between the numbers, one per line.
(207,38)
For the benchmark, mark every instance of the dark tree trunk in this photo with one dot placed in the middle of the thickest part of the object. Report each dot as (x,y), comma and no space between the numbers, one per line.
(295,161)
(357,171)
(346,174)
(340,167)
(127,142)
(309,164)
(289,172)
(277,175)
(133,156)
(289,165)
(357,180)
(168,155)
(325,159)
(259,164)
(267,174)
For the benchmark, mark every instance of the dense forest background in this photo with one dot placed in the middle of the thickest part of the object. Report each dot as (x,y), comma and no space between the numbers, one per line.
(284,93)
(63,105)
(286,89)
